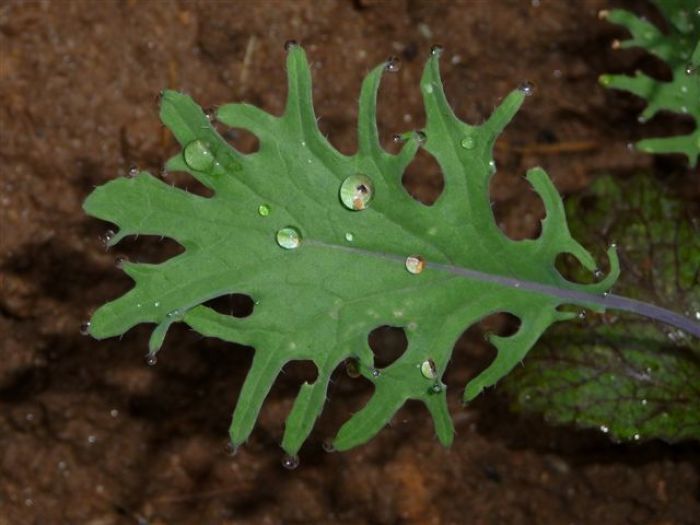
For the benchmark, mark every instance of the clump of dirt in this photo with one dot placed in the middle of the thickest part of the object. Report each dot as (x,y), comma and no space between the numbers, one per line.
(90,434)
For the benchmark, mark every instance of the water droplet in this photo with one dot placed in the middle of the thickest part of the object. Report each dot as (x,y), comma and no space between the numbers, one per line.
(151,359)
(689,69)
(527,88)
(198,156)
(133,171)
(604,429)
(120,261)
(356,192)
(613,245)
(415,264)
(397,139)
(376,373)
(684,89)
(436,50)
(156,304)
(598,273)
(231,449)
(582,314)
(352,368)
(697,315)
(328,445)
(289,44)
(85,328)
(615,44)
(644,402)
(421,137)
(636,437)
(492,166)
(436,388)
(606,293)
(641,119)
(349,237)
(392,64)
(210,113)
(428,369)
(289,238)
(428,88)
(468,143)
(107,237)
(92,439)
(114,412)
(630,146)
(603,14)
(290,462)
(263,210)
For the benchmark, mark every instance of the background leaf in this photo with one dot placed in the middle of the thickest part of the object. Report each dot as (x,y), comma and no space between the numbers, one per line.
(627,376)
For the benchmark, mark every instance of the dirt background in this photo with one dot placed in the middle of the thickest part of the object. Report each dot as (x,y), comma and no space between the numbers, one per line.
(90,434)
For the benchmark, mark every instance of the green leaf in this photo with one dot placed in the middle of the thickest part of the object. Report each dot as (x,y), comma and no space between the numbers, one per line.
(325,267)
(627,376)
(680,49)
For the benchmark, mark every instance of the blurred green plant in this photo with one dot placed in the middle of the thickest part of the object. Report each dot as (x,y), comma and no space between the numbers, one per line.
(679,48)
(623,374)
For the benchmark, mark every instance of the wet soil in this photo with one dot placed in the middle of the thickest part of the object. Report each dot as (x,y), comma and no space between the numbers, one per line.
(90,434)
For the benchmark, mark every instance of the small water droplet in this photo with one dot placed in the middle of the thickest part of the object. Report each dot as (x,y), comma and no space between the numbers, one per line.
(210,113)
(352,368)
(289,44)
(231,449)
(156,304)
(92,439)
(684,89)
(641,119)
(436,388)
(327,445)
(468,142)
(492,166)
(289,238)
(114,412)
(636,437)
(689,69)
(598,273)
(263,210)
(421,137)
(604,429)
(630,146)
(613,245)
(603,14)
(428,369)
(606,293)
(349,237)
(120,261)
(415,264)
(615,44)
(85,328)
(107,237)
(397,139)
(644,402)
(527,88)
(151,359)
(582,314)
(376,373)
(290,462)
(392,64)
(436,50)
(133,171)
(198,156)
(428,88)
(356,192)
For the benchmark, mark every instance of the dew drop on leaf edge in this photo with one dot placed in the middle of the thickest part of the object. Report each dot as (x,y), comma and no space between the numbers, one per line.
(198,156)
(356,192)
(85,328)
(151,359)
(289,238)
(392,64)
(428,369)
(527,88)
(290,462)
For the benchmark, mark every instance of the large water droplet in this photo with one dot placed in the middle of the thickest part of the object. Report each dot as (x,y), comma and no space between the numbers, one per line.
(85,328)
(151,359)
(198,156)
(289,238)
(468,142)
(290,462)
(415,264)
(263,210)
(289,44)
(527,88)
(349,236)
(392,64)
(356,192)
(428,369)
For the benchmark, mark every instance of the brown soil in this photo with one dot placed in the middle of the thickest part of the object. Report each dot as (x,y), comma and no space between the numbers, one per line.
(89,434)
